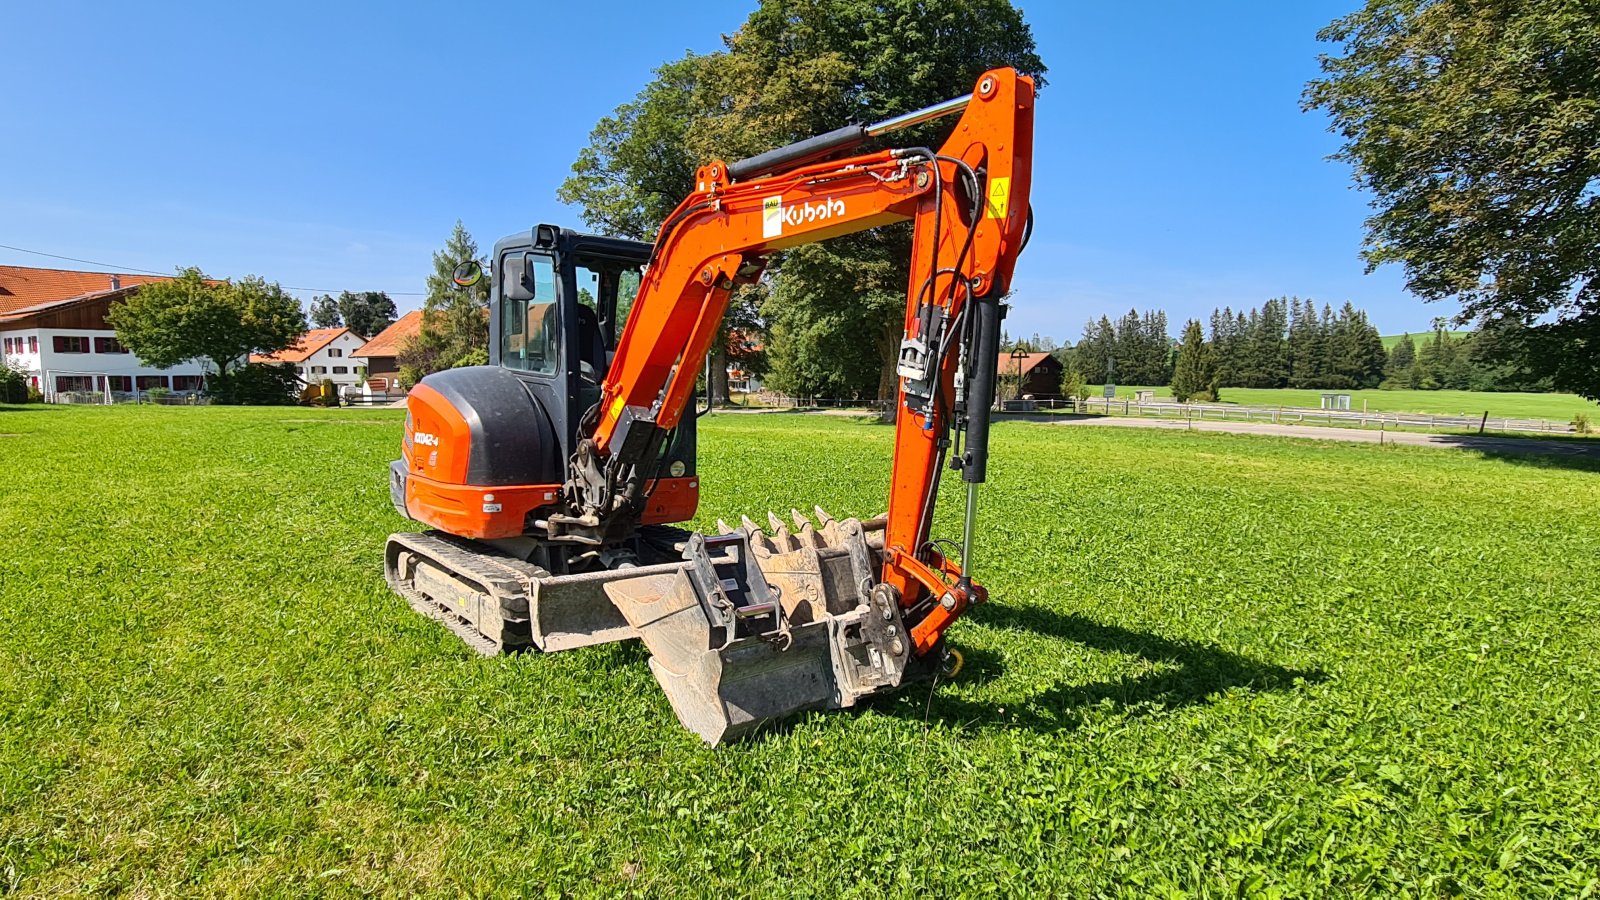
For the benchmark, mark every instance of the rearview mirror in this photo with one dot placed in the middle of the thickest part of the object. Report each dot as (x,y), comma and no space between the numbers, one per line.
(516,277)
(467,274)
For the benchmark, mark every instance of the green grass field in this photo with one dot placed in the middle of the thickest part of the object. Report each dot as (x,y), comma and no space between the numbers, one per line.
(1214,665)
(1418,338)
(1499,404)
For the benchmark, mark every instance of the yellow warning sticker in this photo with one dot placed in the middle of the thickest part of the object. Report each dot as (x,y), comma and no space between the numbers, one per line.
(999,197)
(616,407)
(772,217)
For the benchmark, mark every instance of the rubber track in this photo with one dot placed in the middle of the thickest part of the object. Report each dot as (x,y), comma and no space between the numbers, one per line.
(477,562)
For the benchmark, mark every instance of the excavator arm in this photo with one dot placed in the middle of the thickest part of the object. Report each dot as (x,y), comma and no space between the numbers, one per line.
(969,203)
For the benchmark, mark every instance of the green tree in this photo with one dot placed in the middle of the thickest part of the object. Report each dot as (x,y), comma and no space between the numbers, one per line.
(1474,125)
(13,383)
(1093,352)
(366,312)
(1401,371)
(1308,345)
(193,318)
(1266,348)
(1195,372)
(794,69)
(455,320)
(1073,387)
(325,312)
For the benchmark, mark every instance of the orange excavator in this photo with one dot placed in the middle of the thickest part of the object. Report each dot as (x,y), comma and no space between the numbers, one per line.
(551,478)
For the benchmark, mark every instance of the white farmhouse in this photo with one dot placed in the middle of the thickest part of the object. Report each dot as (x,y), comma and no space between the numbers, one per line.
(53,328)
(323,354)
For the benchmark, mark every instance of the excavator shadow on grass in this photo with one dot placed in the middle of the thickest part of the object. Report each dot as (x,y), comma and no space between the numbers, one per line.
(1187,674)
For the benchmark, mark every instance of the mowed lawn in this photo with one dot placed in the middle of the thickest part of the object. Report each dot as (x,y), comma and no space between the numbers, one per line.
(1214,665)
(1498,404)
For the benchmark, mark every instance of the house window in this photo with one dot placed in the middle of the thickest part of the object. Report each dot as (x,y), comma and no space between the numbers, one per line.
(299,370)
(341,370)
(65,383)
(123,383)
(33,344)
(65,343)
(335,351)
(187,382)
(319,370)
(108,345)
(146,382)
(5,346)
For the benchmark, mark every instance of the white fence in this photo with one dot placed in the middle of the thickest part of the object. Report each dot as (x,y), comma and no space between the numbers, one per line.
(1289,415)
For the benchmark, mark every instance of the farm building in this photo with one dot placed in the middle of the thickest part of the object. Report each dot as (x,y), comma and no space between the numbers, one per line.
(53,328)
(323,354)
(1040,372)
(381,355)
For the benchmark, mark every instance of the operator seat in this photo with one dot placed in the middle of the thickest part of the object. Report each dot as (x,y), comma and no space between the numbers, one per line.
(593,360)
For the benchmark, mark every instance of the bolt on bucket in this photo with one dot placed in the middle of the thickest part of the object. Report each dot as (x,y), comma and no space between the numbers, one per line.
(754,627)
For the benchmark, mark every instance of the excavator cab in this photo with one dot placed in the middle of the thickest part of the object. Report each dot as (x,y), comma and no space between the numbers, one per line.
(558,302)
(486,451)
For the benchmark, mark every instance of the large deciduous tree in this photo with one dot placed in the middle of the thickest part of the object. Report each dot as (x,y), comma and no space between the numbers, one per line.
(798,68)
(366,312)
(1475,124)
(193,318)
(325,312)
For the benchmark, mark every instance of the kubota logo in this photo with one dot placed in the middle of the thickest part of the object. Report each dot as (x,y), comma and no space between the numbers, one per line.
(774,215)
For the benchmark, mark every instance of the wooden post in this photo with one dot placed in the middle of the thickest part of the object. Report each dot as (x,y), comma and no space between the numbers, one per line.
(1484,422)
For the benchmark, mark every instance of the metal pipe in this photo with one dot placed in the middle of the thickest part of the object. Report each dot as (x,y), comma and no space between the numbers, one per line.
(968,528)
(928,114)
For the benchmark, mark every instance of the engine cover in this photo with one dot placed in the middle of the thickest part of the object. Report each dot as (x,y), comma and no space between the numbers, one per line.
(479,454)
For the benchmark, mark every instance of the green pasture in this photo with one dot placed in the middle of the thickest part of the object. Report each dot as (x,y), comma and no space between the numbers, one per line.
(1499,404)
(1214,665)
(1419,338)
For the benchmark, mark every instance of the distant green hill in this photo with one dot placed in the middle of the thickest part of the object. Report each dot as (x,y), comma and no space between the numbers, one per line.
(1389,340)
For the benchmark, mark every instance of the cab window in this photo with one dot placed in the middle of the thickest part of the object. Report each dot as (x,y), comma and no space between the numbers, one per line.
(530,328)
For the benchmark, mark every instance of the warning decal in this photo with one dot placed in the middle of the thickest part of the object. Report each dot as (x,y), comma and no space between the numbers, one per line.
(999,197)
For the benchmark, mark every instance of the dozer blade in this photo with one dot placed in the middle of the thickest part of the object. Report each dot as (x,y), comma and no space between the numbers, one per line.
(753,627)
(497,603)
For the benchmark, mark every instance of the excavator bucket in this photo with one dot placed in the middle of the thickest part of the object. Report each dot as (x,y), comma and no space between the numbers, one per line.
(755,625)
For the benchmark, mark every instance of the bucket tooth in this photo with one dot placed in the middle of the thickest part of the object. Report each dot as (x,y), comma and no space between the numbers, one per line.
(822,516)
(800,520)
(722,527)
(775,522)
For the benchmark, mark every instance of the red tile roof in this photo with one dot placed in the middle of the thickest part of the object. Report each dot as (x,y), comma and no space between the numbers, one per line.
(309,343)
(23,286)
(389,341)
(1008,366)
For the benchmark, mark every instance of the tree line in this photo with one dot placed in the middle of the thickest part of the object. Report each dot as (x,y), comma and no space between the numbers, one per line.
(1288,342)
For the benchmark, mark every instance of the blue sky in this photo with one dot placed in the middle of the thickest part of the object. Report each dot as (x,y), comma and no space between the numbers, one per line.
(332,146)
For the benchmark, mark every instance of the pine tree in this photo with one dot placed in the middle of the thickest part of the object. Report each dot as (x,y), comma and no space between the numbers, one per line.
(1307,345)
(1090,353)
(455,322)
(1195,372)
(1402,362)
(1370,355)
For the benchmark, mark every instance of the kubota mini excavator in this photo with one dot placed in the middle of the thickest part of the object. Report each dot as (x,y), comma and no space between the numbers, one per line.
(552,475)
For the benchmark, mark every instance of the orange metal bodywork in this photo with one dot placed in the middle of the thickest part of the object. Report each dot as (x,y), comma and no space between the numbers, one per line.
(722,234)
(436,448)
